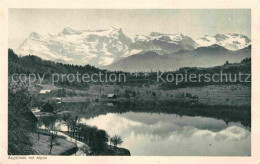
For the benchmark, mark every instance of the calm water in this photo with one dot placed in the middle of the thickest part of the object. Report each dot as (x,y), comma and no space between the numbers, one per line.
(169,134)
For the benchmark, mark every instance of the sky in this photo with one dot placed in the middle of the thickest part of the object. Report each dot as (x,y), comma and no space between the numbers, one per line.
(194,23)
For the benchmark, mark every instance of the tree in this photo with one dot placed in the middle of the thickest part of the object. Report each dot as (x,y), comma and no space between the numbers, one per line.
(154,95)
(134,94)
(227,63)
(66,118)
(53,141)
(73,122)
(116,90)
(20,124)
(116,140)
(86,149)
(127,93)
(50,124)
(98,140)
(61,93)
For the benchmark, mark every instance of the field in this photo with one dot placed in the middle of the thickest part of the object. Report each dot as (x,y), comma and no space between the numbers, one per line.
(211,95)
(233,95)
(219,95)
(41,146)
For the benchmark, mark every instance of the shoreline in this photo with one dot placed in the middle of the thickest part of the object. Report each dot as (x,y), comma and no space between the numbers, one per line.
(113,151)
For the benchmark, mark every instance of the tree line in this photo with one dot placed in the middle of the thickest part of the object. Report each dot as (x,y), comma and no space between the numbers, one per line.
(96,139)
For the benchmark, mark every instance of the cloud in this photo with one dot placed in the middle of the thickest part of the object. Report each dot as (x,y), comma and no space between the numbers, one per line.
(161,134)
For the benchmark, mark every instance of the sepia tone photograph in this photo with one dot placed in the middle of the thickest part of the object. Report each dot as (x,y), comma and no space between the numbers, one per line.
(129,82)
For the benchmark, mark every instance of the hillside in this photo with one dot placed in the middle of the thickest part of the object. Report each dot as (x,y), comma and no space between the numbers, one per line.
(213,55)
(33,64)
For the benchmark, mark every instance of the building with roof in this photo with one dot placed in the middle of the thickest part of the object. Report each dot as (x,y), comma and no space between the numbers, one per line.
(47,107)
(44,91)
(31,119)
(112,96)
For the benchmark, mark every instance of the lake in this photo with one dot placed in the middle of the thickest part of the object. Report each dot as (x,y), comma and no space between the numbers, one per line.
(169,128)
(158,134)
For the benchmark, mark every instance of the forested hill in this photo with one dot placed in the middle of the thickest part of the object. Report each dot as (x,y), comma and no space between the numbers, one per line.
(33,64)
(230,75)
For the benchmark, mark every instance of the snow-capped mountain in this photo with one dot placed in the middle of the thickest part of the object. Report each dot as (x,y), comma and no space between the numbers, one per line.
(161,43)
(169,38)
(101,48)
(98,48)
(229,41)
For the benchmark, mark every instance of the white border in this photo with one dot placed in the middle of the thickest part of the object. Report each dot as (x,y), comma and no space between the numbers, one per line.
(135,4)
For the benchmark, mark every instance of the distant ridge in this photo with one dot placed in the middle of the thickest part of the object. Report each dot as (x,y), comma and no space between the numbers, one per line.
(104,48)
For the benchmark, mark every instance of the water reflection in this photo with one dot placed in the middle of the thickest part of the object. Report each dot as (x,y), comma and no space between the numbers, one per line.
(168,134)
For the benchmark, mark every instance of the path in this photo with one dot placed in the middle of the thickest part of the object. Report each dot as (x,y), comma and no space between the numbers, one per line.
(79,144)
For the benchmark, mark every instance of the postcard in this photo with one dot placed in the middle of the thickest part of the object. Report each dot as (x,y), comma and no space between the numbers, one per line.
(130,82)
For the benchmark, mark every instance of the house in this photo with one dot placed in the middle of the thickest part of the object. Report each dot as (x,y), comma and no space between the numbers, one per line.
(38,85)
(35,110)
(44,91)
(112,96)
(31,118)
(47,108)
(57,98)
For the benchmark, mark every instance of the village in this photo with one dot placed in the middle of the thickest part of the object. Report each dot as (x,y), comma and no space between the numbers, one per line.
(45,117)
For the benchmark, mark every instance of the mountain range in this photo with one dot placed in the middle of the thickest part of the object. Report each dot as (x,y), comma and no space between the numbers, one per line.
(201,57)
(98,48)
(111,49)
